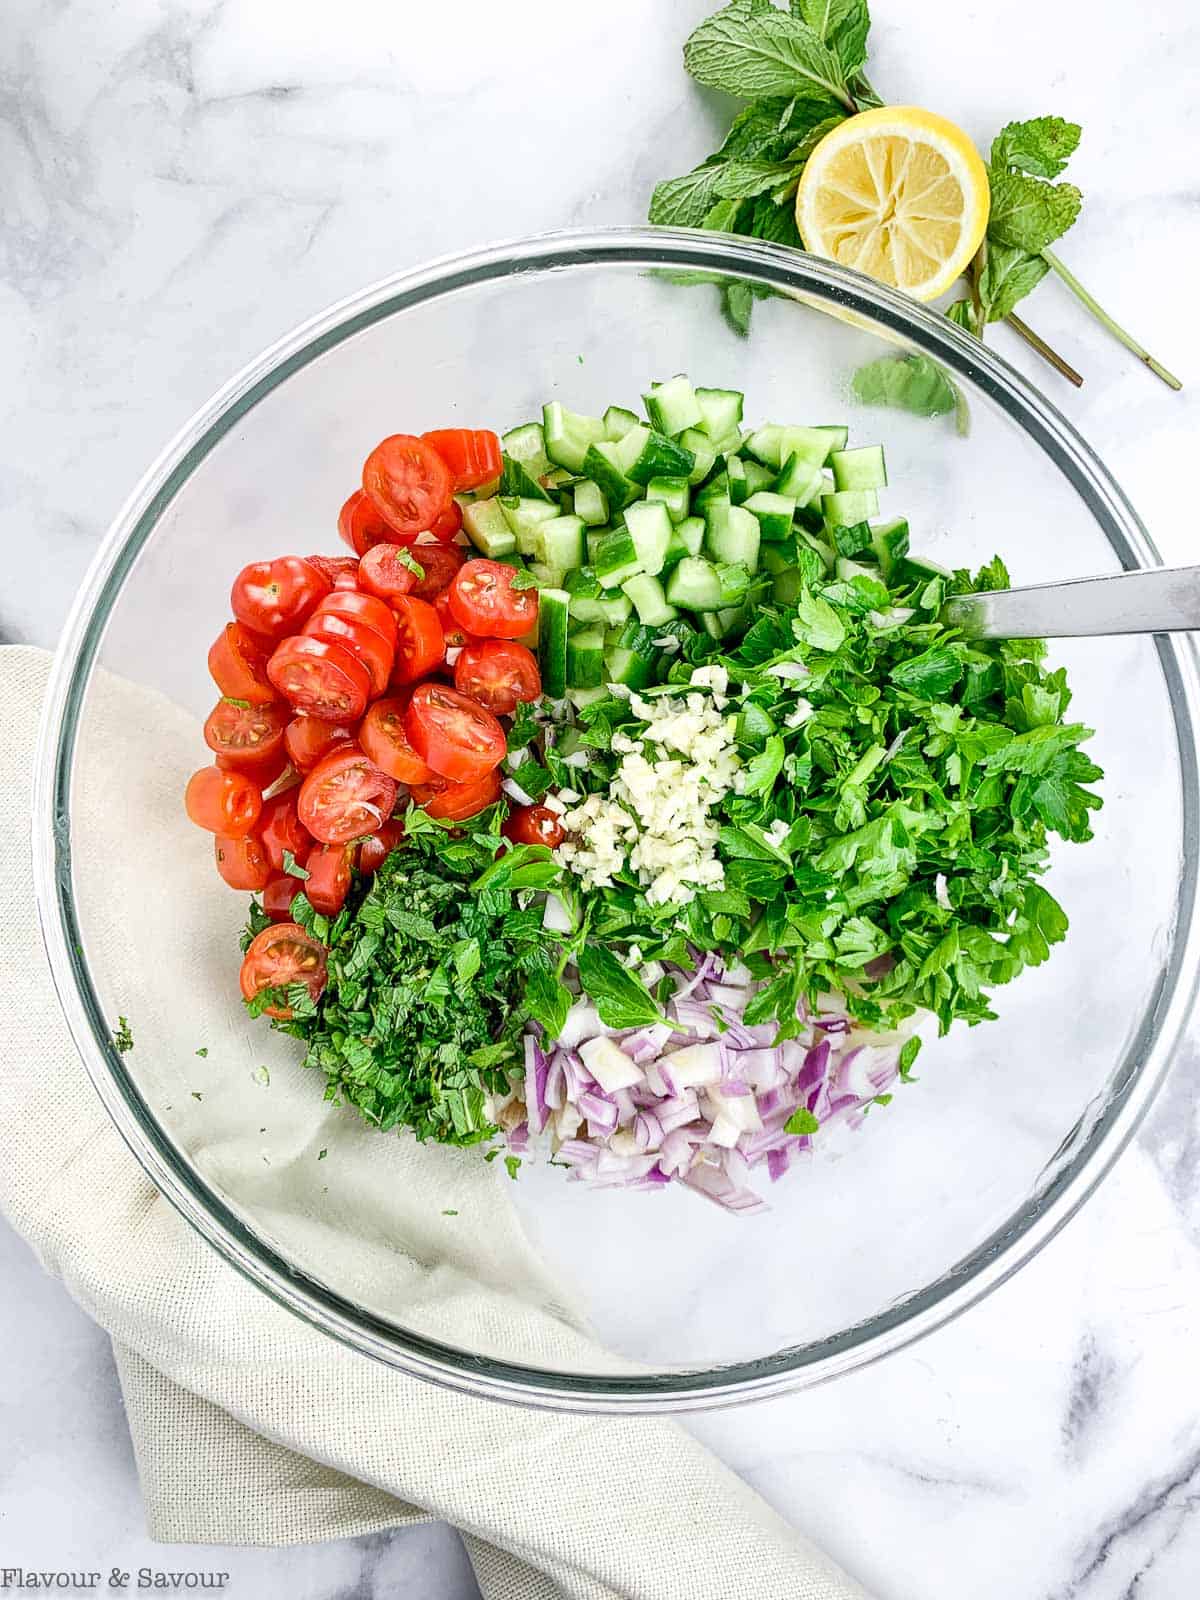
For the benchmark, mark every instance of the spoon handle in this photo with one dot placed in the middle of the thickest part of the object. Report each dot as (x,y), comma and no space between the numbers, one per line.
(1163,600)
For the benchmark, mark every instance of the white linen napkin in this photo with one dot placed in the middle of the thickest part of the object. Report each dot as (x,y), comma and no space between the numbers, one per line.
(249,1426)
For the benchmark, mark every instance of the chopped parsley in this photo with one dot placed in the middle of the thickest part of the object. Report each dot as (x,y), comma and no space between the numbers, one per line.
(123,1038)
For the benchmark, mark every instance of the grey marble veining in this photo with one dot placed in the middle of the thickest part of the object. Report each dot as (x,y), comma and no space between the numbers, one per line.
(183,180)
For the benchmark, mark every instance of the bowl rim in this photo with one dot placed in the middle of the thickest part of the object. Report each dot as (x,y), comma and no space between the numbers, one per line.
(1078,1167)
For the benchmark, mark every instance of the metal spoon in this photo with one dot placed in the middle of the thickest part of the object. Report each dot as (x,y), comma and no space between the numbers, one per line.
(1164,600)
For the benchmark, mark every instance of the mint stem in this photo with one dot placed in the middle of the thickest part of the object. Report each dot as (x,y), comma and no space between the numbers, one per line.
(1047,353)
(1102,316)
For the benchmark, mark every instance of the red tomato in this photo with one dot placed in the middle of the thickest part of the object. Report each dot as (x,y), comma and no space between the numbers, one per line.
(445,527)
(263,773)
(223,802)
(241,862)
(373,852)
(439,564)
(453,735)
(384,738)
(339,571)
(346,796)
(420,644)
(279,829)
(455,802)
(280,956)
(328,881)
(408,482)
(249,737)
(471,454)
(360,523)
(498,673)
(238,664)
(320,679)
(388,571)
(365,608)
(307,739)
(278,895)
(534,825)
(371,648)
(484,601)
(275,597)
(454,634)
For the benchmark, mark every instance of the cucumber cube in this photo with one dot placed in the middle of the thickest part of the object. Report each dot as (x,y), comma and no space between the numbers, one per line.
(649,526)
(589,502)
(644,454)
(487,528)
(757,476)
(704,451)
(602,467)
(553,607)
(568,435)
(672,406)
(618,422)
(673,492)
(695,584)
(845,507)
(585,658)
(889,540)
(720,411)
(560,542)
(615,557)
(739,487)
(863,468)
(799,479)
(774,513)
(527,444)
(649,601)
(524,517)
(731,533)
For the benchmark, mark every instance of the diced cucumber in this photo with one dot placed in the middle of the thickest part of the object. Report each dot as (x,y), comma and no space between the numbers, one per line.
(602,467)
(510,559)
(527,444)
(618,422)
(734,619)
(863,468)
(757,476)
(591,539)
(644,454)
(687,537)
(735,582)
(889,540)
(609,609)
(672,406)
(673,492)
(821,547)
(720,411)
(786,587)
(525,517)
(739,487)
(615,557)
(560,542)
(704,451)
(516,479)
(589,502)
(774,513)
(717,488)
(568,434)
(919,569)
(845,507)
(585,658)
(695,584)
(559,478)
(553,608)
(548,577)
(585,697)
(775,443)
(626,666)
(731,534)
(649,526)
(799,479)
(487,528)
(847,568)
(776,558)
(649,600)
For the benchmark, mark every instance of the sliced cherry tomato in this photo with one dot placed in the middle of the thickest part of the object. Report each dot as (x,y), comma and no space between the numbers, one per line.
(498,673)
(361,523)
(249,737)
(223,802)
(263,773)
(278,895)
(276,597)
(371,648)
(484,601)
(439,564)
(329,878)
(388,571)
(346,796)
(453,735)
(341,572)
(242,862)
(384,738)
(307,739)
(455,635)
(279,829)
(471,454)
(534,825)
(445,527)
(420,644)
(408,482)
(367,608)
(280,956)
(238,664)
(373,852)
(455,802)
(320,679)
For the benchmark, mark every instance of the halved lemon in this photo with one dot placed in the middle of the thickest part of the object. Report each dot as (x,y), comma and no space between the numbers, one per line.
(899,193)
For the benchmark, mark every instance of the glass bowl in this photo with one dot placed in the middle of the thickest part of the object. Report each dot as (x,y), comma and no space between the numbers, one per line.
(933,1202)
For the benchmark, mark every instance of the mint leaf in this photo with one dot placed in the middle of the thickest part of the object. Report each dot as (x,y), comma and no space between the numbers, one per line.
(906,383)
(817,623)
(407,559)
(292,867)
(685,202)
(742,180)
(722,218)
(123,1038)
(775,223)
(1008,276)
(962,314)
(842,24)
(548,1001)
(737,302)
(801,1121)
(752,53)
(1029,213)
(523,579)
(622,999)
(1041,146)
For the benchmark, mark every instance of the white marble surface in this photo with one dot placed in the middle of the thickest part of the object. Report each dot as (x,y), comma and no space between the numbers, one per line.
(182,180)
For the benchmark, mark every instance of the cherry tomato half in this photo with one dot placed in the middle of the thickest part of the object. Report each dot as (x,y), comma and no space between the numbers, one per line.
(408,482)
(498,673)
(278,895)
(279,829)
(346,796)
(453,735)
(373,852)
(384,739)
(320,679)
(420,644)
(307,739)
(371,648)
(329,877)
(280,956)
(242,863)
(238,664)
(275,597)
(471,454)
(365,608)
(248,737)
(484,601)
(455,802)
(361,524)
(455,635)
(388,571)
(223,802)
(438,563)
(340,572)
(534,825)
(445,527)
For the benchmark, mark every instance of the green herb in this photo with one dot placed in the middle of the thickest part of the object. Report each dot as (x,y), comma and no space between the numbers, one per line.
(123,1038)
(512,1165)
(522,578)
(622,999)
(203,1050)
(801,1121)
(407,559)
(911,383)
(321,1154)
(196,1095)
(455,1213)
(230,700)
(292,867)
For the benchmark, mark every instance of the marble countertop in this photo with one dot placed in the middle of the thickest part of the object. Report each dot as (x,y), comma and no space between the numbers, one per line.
(186,179)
